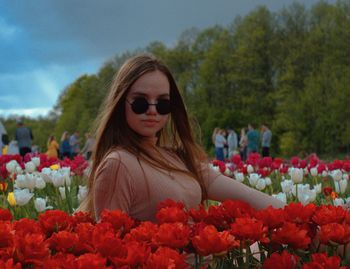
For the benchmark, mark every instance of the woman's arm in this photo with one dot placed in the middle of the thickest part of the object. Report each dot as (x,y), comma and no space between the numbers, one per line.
(221,188)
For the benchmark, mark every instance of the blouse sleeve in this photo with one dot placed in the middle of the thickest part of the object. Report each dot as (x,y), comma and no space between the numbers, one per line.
(113,187)
(220,188)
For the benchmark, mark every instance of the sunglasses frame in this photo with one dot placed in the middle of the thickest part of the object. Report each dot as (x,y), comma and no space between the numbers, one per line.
(137,110)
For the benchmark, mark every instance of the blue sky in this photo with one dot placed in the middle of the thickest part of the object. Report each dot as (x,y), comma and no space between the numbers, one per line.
(46,44)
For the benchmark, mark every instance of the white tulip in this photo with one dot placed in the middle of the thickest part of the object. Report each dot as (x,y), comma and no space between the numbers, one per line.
(62,191)
(65,170)
(40,183)
(305,195)
(82,193)
(324,173)
(337,175)
(340,186)
(58,180)
(347,201)
(30,181)
(287,186)
(46,174)
(40,204)
(253,179)
(239,176)
(261,184)
(313,171)
(268,181)
(20,182)
(29,167)
(281,196)
(36,161)
(338,202)
(11,166)
(19,170)
(306,171)
(22,196)
(346,176)
(297,175)
(250,169)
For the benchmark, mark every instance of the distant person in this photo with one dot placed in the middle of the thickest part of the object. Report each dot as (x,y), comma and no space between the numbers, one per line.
(52,147)
(88,147)
(12,148)
(35,148)
(232,142)
(253,139)
(24,137)
(65,146)
(3,137)
(266,137)
(74,143)
(243,143)
(220,142)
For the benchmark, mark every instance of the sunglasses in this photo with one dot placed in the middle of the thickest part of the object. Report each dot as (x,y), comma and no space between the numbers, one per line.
(140,105)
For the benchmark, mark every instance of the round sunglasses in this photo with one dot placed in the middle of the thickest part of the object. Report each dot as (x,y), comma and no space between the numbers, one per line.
(140,105)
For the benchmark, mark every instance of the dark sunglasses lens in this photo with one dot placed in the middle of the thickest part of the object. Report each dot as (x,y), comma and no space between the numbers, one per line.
(163,106)
(139,105)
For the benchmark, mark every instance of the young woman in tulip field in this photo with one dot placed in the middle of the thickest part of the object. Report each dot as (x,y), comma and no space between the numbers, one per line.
(146,187)
(145,151)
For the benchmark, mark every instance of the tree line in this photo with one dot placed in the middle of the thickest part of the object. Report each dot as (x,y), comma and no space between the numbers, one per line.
(289,69)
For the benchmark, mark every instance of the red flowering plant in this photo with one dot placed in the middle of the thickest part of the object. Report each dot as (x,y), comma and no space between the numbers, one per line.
(229,235)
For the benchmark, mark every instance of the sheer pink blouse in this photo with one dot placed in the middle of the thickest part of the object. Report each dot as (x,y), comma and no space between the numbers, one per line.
(135,187)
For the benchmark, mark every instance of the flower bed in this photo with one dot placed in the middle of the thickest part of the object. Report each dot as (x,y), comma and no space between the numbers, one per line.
(221,237)
(228,235)
(296,180)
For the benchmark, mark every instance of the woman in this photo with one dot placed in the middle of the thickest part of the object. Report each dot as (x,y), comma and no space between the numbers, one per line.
(145,151)
(52,147)
(65,146)
(88,147)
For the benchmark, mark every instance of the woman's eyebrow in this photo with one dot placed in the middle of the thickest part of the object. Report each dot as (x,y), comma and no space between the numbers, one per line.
(145,95)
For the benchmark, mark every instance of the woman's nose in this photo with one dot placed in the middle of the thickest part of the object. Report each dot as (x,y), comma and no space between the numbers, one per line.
(152,110)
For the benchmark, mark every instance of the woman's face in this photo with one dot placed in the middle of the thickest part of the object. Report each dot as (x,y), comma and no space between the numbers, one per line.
(152,86)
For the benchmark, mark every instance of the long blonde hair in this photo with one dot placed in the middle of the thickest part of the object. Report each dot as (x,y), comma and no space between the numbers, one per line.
(113,131)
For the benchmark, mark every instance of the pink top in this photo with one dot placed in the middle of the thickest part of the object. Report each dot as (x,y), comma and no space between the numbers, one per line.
(135,187)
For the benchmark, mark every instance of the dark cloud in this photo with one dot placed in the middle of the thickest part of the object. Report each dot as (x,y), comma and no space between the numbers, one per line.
(69,30)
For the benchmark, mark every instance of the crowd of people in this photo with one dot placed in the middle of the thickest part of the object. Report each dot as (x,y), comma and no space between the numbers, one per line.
(22,143)
(228,143)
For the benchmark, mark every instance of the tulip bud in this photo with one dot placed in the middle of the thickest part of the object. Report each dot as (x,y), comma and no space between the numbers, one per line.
(297,175)
(261,184)
(36,161)
(23,196)
(40,204)
(40,183)
(250,169)
(337,175)
(29,167)
(313,171)
(239,176)
(281,196)
(253,179)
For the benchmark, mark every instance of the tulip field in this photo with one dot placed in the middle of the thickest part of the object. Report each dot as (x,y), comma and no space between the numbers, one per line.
(39,227)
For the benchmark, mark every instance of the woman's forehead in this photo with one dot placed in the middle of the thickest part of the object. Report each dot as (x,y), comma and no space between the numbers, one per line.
(151,83)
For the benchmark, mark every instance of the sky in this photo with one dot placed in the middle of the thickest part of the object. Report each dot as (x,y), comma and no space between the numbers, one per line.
(45,45)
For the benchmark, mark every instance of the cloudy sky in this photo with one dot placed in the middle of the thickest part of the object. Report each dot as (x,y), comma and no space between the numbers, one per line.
(46,44)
